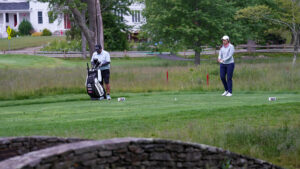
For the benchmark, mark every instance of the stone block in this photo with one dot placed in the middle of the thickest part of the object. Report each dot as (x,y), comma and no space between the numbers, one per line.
(87,156)
(113,159)
(149,148)
(90,163)
(175,148)
(193,156)
(85,150)
(17,144)
(135,149)
(121,150)
(50,159)
(161,156)
(105,153)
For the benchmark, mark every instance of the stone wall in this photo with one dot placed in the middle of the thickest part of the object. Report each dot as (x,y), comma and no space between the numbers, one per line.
(133,153)
(14,146)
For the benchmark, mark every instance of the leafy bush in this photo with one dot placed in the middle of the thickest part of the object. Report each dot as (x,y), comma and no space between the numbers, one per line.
(63,46)
(14,33)
(74,33)
(37,34)
(25,28)
(144,46)
(46,32)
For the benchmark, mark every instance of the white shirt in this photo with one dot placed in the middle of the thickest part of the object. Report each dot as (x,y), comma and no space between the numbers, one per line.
(103,57)
(226,54)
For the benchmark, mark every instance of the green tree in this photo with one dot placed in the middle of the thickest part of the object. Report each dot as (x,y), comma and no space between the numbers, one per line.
(25,28)
(286,14)
(93,32)
(115,29)
(191,24)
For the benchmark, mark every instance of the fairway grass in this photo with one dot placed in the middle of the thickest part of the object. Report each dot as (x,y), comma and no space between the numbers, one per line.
(246,123)
(27,41)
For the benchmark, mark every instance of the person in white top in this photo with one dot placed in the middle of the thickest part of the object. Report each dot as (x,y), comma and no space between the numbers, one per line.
(103,58)
(226,65)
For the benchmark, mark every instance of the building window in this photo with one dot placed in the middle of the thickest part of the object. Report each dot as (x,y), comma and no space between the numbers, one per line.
(120,15)
(40,17)
(136,16)
(7,17)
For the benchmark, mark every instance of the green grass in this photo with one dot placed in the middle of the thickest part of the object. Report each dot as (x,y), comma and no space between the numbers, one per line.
(46,96)
(246,123)
(23,76)
(26,61)
(27,41)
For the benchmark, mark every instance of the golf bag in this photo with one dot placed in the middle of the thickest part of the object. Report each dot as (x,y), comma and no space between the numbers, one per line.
(94,86)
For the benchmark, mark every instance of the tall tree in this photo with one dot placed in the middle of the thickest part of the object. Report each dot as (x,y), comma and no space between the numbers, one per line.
(286,14)
(93,32)
(190,23)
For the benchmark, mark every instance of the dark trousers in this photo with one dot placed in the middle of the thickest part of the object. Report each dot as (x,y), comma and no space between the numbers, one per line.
(227,69)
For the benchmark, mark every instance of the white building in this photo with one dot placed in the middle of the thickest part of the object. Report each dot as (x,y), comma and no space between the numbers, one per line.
(136,20)
(13,12)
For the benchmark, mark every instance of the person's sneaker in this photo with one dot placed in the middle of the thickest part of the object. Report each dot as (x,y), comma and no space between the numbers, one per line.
(228,94)
(101,98)
(225,93)
(108,97)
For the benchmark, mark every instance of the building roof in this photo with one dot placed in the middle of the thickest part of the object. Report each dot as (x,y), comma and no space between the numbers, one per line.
(14,6)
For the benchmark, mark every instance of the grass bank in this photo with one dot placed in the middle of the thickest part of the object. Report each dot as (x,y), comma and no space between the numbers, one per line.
(246,123)
(27,41)
(24,76)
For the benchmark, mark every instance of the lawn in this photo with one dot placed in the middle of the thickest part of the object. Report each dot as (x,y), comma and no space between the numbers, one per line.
(46,96)
(247,123)
(27,41)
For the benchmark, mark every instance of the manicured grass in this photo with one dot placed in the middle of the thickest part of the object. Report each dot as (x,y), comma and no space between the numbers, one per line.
(27,61)
(184,108)
(27,41)
(246,123)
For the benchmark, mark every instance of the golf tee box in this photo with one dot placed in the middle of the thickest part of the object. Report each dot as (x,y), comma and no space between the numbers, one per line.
(272,99)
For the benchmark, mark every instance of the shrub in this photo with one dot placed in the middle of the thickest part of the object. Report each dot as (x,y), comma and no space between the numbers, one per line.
(25,28)
(37,34)
(74,45)
(14,33)
(46,32)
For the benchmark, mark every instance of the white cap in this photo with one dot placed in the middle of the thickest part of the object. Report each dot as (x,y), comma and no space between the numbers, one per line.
(225,37)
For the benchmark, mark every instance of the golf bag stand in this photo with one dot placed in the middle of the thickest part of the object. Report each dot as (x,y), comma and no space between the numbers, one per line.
(93,84)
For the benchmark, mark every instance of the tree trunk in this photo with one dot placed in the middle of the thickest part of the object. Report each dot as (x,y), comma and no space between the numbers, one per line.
(82,25)
(197,57)
(292,40)
(83,41)
(100,36)
(296,45)
(92,19)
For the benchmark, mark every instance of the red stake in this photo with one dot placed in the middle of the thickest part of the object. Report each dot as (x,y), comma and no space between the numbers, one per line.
(207,79)
(167,76)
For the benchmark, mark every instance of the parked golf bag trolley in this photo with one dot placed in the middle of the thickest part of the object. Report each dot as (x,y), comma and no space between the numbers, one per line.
(94,86)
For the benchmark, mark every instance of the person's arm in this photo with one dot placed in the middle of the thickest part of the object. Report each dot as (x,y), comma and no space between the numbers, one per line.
(107,60)
(229,54)
(94,61)
(219,57)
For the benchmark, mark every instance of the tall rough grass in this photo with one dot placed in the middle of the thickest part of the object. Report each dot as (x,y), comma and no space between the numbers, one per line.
(27,82)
